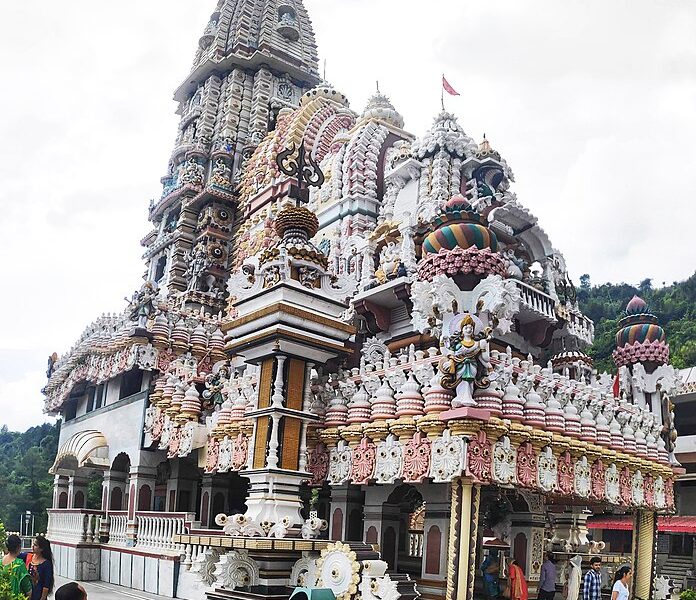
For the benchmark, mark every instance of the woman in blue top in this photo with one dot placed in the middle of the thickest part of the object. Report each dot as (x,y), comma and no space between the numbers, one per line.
(40,565)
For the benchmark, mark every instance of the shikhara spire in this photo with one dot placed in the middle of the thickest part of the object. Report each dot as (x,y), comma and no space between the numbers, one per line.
(407,341)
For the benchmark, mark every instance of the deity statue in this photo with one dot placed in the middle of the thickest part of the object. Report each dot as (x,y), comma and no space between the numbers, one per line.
(389,262)
(215,386)
(516,265)
(142,304)
(467,362)
(197,263)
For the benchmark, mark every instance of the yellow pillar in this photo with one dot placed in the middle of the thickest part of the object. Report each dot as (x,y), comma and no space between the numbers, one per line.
(463,533)
(644,539)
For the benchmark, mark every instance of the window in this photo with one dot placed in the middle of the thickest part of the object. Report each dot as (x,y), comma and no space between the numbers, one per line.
(99,396)
(159,269)
(131,383)
(90,399)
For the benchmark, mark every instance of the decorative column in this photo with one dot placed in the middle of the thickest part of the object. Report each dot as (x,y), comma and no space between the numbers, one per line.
(644,541)
(463,532)
(113,480)
(345,500)
(60,488)
(77,492)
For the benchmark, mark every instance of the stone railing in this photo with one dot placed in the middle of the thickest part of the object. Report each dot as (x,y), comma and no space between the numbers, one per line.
(537,301)
(118,523)
(156,530)
(415,543)
(77,526)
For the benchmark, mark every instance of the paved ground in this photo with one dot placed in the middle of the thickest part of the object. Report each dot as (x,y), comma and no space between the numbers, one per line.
(98,590)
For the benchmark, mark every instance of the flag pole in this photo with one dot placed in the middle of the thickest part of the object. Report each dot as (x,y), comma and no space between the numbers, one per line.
(442,92)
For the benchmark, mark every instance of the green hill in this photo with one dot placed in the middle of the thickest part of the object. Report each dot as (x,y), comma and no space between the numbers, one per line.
(674,305)
(25,483)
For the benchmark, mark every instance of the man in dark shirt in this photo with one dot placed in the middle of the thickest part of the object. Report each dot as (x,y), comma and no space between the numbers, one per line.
(547,579)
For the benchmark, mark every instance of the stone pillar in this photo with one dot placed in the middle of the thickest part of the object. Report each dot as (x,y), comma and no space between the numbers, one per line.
(375,497)
(345,499)
(463,533)
(527,544)
(60,491)
(437,497)
(207,494)
(77,492)
(644,540)
(141,491)
(114,480)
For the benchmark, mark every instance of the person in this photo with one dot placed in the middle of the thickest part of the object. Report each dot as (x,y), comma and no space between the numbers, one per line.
(547,578)
(491,583)
(621,582)
(14,566)
(592,582)
(517,584)
(572,587)
(40,564)
(71,591)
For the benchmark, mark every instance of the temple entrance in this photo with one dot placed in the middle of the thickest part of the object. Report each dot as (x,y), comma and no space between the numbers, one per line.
(402,536)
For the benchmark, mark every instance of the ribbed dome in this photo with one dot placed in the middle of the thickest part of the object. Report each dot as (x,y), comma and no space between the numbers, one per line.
(324,91)
(379,107)
(462,235)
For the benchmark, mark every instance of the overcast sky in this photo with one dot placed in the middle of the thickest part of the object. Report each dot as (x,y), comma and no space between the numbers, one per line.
(592,103)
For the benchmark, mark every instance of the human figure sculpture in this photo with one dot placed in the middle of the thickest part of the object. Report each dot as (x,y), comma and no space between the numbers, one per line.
(467,362)
(142,304)
(197,263)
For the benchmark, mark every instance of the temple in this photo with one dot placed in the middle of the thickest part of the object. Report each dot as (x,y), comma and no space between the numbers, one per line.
(356,362)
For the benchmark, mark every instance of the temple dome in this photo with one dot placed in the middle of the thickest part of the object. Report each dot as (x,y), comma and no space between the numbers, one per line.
(326,91)
(462,235)
(379,107)
(636,306)
(445,134)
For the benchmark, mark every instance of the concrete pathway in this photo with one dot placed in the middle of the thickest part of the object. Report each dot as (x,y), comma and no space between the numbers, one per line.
(98,590)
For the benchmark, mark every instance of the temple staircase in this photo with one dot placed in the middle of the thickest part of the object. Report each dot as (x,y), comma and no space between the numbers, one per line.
(675,568)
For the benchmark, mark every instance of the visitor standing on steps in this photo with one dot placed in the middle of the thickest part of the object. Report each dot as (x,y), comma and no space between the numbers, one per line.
(14,566)
(621,583)
(592,582)
(40,564)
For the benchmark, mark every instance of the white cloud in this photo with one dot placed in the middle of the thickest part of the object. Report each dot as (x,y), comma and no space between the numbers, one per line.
(590,102)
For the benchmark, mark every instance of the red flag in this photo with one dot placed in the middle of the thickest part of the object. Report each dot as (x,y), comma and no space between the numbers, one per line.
(448,88)
(615,388)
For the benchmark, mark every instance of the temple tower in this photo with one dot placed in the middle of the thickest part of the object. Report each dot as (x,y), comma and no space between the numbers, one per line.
(254,58)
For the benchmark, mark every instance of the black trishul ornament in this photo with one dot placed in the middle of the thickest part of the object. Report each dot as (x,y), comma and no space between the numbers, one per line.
(303,167)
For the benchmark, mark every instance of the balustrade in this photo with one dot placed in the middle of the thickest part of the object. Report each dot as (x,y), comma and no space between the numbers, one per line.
(415,543)
(156,531)
(537,301)
(77,526)
(118,522)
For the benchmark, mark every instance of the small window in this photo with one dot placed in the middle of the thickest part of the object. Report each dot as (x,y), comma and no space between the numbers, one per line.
(70,410)
(91,392)
(131,383)
(99,397)
(159,269)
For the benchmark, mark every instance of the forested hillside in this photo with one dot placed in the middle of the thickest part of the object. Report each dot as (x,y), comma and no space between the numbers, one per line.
(25,483)
(674,305)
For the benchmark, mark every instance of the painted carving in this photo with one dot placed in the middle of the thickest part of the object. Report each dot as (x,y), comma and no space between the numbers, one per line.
(479,457)
(240,448)
(340,463)
(548,470)
(447,458)
(390,461)
(504,461)
(566,474)
(598,480)
(338,570)
(319,463)
(205,564)
(237,569)
(211,455)
(583,478)
(526,465)
(225,455)
(660,497)
(417,459)
(363,465)
(613,490)
(625,486)
(638,489)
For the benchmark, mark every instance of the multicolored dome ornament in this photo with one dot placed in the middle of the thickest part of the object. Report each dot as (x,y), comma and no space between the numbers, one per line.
(640,338)
(460,243)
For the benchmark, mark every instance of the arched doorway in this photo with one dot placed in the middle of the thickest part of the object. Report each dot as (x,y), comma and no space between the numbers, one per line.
(403,514)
